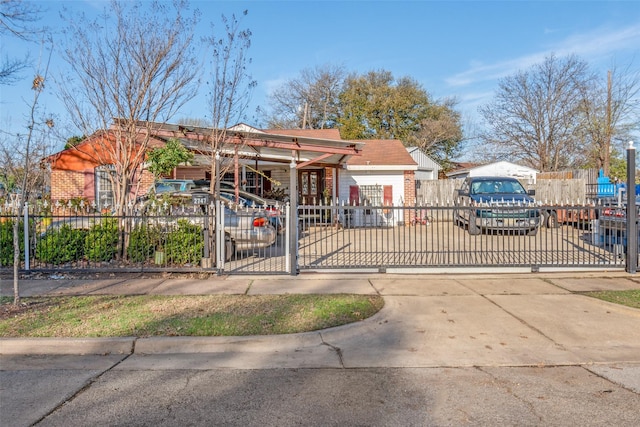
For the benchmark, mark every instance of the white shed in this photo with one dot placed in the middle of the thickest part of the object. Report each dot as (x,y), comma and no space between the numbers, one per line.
(503,168)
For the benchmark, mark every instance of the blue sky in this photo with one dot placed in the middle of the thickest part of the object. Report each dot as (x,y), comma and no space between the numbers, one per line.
(453,49)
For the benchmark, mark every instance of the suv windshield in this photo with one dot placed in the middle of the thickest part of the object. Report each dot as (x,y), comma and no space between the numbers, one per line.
(497,187)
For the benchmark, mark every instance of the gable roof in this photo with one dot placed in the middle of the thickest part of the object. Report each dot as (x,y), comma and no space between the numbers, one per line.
(501,168)
(382,154)
(424,161)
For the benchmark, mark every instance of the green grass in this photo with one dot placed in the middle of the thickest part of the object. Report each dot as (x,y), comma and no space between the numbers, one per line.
(629,298)
(217,315)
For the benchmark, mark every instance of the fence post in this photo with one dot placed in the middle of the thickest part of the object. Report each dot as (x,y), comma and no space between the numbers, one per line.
(632,213)
(293,217)
(26,236)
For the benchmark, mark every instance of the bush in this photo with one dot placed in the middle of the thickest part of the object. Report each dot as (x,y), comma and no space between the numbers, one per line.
(61,245)
(185,244)
(142,243)
(6,240)
(101,243)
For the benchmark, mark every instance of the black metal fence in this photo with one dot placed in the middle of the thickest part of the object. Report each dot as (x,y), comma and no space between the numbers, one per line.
(332,237)
(400,238)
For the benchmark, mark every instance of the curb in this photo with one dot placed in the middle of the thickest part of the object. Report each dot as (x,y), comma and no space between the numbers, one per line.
(68,346)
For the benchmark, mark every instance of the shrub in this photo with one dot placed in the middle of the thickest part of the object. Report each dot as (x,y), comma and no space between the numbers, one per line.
(142,242)
(185,244)
(64,244)
(101,243)
(6,240)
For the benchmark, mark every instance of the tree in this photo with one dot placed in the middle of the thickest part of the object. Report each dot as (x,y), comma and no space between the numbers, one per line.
(310,101)
(610,112)
(230,87)
(440,133)
(163,160)
(376,106)
(16,19)
(19,160)
(535,117)
(136,66)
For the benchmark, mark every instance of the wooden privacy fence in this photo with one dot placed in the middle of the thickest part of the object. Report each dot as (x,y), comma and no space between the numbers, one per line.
(552,191)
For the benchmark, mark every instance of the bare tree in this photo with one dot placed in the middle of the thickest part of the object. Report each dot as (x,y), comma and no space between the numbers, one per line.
(535,117)
(440,133)
(230,86)
(17,18)
(135,66)
(308,101)
(611,111)
(19,159)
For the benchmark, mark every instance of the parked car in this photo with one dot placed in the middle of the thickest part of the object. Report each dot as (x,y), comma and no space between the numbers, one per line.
(271,207)
(612,225)
(245,229)
(493,203)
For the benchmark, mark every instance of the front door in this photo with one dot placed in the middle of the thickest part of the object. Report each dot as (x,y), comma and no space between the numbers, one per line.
(310,185)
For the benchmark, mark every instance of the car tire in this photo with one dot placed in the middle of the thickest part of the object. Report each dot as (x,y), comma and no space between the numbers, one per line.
(473,228)
(457,218)
(551,220)
(229,248)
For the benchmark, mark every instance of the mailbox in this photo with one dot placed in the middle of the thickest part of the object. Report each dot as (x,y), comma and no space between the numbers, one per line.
(200,198)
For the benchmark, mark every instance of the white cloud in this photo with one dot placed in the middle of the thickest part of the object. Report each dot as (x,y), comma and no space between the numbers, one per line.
(593,46)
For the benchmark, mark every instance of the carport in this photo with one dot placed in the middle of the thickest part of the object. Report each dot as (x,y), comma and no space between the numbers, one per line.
(246,142)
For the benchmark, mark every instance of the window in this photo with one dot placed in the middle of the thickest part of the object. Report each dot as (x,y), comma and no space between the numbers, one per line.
(104,187)
(371,195)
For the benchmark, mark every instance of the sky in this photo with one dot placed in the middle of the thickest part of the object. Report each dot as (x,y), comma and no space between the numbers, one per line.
(454,49)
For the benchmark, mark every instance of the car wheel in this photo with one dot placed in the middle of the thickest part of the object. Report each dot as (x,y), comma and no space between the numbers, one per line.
(457,219)
(552,220)
(229,248)
(473,228)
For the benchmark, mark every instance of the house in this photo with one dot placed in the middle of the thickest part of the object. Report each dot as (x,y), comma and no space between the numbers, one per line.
(383,175)
(260,161)
(80,172)
(83,171)
(428,169)
(502,168)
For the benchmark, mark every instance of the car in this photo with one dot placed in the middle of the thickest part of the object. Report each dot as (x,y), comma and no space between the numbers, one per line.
(270,206)
(612,224)
(496,203)
(245,228)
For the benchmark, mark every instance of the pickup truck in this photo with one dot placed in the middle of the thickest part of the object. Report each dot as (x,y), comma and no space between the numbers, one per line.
(495,203)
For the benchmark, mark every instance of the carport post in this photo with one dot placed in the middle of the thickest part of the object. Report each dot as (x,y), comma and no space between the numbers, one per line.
(293,217)
(632,212)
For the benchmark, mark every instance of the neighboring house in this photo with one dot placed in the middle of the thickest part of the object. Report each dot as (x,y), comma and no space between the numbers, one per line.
(525,174)
(383,175)
(428,169)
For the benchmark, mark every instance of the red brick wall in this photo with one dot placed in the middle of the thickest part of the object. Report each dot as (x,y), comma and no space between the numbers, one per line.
(409,195)
(67,184)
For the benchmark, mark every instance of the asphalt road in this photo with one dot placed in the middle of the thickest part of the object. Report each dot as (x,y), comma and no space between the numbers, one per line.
(121,390)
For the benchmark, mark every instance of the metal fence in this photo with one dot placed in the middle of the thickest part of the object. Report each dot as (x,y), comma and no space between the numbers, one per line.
(400,238)
(174,238)
(331,237)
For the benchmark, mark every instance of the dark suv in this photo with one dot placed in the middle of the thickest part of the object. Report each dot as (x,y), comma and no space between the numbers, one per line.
(496,203)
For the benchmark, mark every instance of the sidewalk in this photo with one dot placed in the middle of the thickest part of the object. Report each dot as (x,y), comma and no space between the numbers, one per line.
(428,321)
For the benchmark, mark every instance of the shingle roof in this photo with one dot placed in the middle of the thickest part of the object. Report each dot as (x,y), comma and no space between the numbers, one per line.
(382,152)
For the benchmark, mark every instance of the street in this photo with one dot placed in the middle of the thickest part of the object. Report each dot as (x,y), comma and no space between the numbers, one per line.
(126,390)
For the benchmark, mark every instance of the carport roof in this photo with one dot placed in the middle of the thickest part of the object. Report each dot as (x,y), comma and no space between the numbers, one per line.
(257,144)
